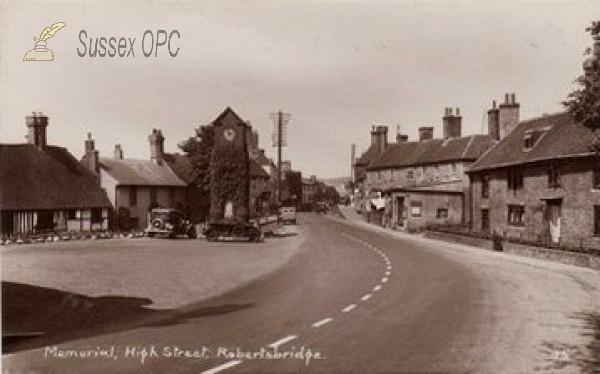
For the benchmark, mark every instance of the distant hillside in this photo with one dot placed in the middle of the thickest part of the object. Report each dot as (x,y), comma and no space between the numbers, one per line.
(336,181)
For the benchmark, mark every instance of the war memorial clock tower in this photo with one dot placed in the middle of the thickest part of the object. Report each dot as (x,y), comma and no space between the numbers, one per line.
(230,163)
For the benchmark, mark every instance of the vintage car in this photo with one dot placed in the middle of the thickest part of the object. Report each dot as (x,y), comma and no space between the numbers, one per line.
(322,207)
(287,214)
(169,222)
(232,230)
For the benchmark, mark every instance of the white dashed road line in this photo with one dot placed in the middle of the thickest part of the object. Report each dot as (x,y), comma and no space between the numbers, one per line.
(220,368)
(377,288)
(384,280)
(281,342)
(366,297)
(322,322)
(349,308)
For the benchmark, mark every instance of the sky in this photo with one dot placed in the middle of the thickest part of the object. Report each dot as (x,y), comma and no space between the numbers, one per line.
(337,67)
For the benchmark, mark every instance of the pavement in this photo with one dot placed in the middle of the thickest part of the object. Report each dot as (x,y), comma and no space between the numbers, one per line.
(356,299)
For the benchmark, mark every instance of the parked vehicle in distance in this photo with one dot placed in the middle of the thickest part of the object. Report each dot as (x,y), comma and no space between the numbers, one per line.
(322,207)
(169,222)
(232,229)
(288,214)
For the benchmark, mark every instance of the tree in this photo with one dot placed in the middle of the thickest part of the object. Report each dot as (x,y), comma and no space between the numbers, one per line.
(584,103)
(199,150)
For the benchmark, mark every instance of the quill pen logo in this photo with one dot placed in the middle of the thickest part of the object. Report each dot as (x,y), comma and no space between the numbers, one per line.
(40,52)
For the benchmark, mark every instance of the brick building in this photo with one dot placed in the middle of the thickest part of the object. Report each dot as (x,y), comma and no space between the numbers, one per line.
(133,186)
(540,183)
(424,182)
(44,188)
(379,143)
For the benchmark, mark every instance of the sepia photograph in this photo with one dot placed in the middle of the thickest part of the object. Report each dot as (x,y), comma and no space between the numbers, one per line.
(300,186)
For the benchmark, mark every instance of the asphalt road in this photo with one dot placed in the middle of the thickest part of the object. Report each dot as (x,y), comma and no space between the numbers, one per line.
(355,301)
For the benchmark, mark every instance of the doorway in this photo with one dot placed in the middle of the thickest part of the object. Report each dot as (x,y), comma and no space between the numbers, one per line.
(400,211)
(553,218)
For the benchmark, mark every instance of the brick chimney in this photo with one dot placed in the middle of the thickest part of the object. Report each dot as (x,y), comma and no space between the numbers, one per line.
(36,124)
(425,133)
(118,153)
(379,138)
(452,123)
(91,157)
(254,140)
(157,141)
(494,122)
(508,115)
(400,138)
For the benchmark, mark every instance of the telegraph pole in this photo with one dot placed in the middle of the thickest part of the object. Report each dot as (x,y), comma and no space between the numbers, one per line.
(279,144)
(279,140)
(352,157)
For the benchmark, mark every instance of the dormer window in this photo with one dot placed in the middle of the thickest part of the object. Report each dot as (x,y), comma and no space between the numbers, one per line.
(528,142)
(531,137)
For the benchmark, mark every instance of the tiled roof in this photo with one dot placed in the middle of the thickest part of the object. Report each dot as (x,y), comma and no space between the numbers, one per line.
(257,171)
(51,179)
(369,155)
(182,167)
(466,148)
(559,136)
(140,173)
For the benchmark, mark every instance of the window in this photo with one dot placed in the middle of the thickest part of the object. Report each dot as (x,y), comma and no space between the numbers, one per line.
(72,214)
(96,215)
(153,193)
(442,213)
(415,208)
(596,176)
(596,220)
(515,180)
(485,186)
(553,176)
(485,220)
(409,174)
(531,138)
(132,196)
(528,141)
(515,215)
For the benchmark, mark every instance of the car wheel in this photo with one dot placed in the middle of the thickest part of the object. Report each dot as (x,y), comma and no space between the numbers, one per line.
(157,223)
(192,233)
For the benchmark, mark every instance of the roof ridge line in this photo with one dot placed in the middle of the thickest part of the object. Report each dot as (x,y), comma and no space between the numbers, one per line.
(467,147)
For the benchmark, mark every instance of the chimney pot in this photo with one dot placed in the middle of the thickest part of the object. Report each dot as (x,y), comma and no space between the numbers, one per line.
(425,133)
(507,98)
(508,116)
(36,125)
(156,146)
(457,112)
(91,157)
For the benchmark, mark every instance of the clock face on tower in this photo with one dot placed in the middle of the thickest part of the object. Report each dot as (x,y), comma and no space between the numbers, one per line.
(229,134)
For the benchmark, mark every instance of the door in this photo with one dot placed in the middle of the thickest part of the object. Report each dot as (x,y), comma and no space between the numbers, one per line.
(400,211)
(554,213)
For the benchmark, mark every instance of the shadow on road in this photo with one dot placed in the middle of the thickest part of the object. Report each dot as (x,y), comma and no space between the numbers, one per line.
(585,359)
(34,316)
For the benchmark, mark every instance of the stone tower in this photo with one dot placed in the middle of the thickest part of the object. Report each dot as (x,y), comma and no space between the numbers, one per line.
(229,168)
